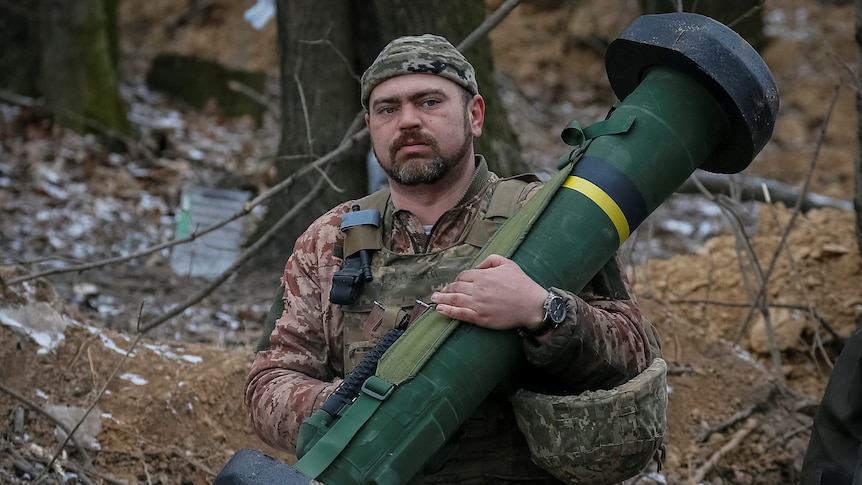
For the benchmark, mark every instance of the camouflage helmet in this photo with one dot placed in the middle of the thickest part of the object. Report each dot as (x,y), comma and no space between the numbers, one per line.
(424,54)
(597,437)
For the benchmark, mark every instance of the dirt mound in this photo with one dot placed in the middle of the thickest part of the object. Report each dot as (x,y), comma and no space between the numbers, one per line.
(165,411)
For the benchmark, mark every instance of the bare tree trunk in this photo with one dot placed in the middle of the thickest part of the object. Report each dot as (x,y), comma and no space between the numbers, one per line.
(857,195)
(79,77)
(19,47)
(319,99)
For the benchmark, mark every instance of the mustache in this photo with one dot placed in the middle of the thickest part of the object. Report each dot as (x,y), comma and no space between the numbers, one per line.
(411,138)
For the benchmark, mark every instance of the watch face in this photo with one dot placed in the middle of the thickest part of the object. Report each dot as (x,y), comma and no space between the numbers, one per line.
(557,309)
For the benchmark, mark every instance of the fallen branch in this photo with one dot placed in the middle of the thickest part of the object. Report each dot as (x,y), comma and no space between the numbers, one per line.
(727,423)
(749,187)
(97,398)
(727,448)
(30,404)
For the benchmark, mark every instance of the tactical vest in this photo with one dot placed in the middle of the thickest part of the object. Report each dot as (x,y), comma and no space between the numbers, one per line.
(403,282)
(490,447)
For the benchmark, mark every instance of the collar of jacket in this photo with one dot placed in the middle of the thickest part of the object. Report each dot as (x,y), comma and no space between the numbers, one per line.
(479,181)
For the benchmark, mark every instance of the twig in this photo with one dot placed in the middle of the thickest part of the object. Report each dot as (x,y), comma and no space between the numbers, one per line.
(746,323)
(728,447)
(325,40)
(21,100)
(802,288)
(746,14)
(328,158)
(759,301)
(57,422)
(308,132)
(790,434)
(250,93)
(101,391)
(727,423)
(265,239)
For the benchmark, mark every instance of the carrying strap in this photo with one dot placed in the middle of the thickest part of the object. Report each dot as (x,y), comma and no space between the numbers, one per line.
(331,444)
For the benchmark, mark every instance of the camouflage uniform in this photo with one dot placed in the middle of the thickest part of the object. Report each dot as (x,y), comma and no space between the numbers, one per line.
(602,343)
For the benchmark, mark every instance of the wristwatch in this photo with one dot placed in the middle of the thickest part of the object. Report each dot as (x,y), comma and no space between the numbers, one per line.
(555,314)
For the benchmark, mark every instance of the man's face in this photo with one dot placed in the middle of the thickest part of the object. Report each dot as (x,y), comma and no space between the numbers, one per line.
(420,127)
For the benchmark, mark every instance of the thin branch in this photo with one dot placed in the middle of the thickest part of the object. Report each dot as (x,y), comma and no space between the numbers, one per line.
(746,323)
(727,448)
(309,138)
(760,301)
(325,40)
(488,24)
(818,344)
(747,14)
(102,390)
(23,400)
(727,423)
(21,100)
(265,239)
(260,199)
(144,252)
(252,94)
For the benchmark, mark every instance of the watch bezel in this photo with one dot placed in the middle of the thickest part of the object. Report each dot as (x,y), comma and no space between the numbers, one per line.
(548,322)
(556,315)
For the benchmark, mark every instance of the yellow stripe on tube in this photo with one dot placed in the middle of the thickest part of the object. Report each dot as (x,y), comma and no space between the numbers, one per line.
(604,201)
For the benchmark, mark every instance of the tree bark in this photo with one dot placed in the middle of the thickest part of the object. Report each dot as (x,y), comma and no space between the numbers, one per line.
(857,194)
(19,47)
(319,100)
(78,78)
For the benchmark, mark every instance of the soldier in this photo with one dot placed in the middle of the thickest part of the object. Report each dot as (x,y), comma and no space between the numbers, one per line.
(442,204)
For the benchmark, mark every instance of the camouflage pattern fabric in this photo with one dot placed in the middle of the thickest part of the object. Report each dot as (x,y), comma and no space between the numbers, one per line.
(424,54)
(601,345)
(597,437)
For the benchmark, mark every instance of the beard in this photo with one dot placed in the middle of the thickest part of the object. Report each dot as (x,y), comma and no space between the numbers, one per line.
(421,170)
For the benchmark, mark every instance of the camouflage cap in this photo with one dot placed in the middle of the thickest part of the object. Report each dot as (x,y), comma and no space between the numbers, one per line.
(424,54)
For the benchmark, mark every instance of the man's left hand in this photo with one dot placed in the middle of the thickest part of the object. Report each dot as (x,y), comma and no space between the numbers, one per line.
(497,294)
